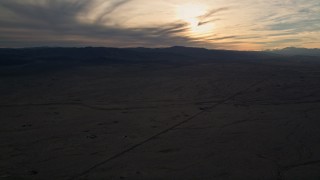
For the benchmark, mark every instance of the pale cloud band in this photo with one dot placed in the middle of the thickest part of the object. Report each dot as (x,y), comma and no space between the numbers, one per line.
(224,24)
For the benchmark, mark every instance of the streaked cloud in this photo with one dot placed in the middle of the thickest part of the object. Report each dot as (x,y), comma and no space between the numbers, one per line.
(229,24)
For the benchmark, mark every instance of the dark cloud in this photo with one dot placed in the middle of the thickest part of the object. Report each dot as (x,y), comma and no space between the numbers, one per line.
(171,28)
(114,5)
(56,21)
(49,12)
(200,23)
(223,38)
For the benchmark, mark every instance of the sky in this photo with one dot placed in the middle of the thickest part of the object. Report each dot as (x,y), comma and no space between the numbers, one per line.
(212,24)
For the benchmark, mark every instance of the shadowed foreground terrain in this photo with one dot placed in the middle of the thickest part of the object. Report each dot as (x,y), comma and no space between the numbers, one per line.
(174,113)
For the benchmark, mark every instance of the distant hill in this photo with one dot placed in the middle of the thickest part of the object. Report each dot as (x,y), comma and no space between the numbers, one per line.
(292,51)
(120,55)
(43,59)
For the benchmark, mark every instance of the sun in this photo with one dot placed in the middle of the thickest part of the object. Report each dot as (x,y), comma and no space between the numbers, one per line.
(190,14)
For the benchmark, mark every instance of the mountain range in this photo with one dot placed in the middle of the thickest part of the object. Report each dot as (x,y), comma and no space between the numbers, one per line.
(38,59)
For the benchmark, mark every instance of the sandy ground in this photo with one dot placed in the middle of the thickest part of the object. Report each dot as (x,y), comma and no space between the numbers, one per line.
(225,120)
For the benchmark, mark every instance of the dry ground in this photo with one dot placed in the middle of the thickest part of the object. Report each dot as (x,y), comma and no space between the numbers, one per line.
(223,120)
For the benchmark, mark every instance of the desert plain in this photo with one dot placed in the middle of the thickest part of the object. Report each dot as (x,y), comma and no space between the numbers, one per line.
(220,119)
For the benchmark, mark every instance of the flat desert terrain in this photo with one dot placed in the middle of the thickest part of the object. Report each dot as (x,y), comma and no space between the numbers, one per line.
(207,120)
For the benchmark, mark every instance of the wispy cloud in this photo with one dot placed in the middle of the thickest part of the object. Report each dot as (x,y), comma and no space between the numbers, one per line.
(222,38)
(50,20)
(247,24)
(207,17)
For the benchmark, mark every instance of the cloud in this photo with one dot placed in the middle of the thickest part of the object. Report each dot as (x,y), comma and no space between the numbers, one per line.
(212,12)
(200,23)
(110,8)
(207,18)
(45,11)
(171,28)
(57,21)
(121,23)
(298,26)
(222,38)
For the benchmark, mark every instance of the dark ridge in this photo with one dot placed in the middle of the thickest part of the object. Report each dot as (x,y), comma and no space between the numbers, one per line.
(43,59)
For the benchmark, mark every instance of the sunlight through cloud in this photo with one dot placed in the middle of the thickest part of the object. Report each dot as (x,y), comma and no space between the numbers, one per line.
(190,13)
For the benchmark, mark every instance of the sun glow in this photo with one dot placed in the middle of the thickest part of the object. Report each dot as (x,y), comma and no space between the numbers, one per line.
(191,13)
